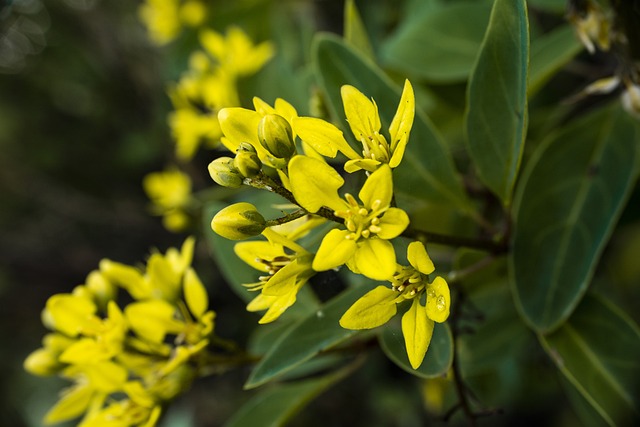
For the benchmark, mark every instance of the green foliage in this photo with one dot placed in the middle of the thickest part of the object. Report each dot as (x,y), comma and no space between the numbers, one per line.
(496,119)
(598,350)
(565,212)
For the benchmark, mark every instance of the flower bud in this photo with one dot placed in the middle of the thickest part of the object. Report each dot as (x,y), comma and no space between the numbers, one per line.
(275,134)
(239,221)
(247,161)
(223,172)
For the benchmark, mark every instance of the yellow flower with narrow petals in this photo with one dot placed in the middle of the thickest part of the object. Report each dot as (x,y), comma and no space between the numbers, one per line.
(378,306)
(287,266)
(364,121)
(364,245)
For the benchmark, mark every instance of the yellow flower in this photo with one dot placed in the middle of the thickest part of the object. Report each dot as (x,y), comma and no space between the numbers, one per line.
(378,306)
(288,268)
(236,53)
(108,352)
(164,18)
(364,121)
(241,125)
(364,245)
(170,193)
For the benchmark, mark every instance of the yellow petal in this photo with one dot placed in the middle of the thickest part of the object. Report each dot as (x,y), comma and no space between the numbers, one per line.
(262,107)
(374,309)
(378,186)
(278,306)
(106,376)
(375,258)
(419,258)
(334,251)
(43,362)
(250,252)
(152,320)
(283,281)
(240,125)
(438,300)
(213,43)
(73,403)
(417,331)
(195,294)
(403,119)
(359,164)
(323,137)
(71,314)
(315,184)
(361,112)
(285,109)
(84,351)
(398,151)
(393,223)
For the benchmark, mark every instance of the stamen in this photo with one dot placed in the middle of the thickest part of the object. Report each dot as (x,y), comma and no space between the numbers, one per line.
(363,211)
(366,233)
(375,221)
(376,204)
(375,229)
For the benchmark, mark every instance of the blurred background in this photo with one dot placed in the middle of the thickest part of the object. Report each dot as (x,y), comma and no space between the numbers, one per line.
(83,109)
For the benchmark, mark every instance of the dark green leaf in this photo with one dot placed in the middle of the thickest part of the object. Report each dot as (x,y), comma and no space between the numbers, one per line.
(319,331)
(439,355)
(570,197)
(427,171)
(496,117)
(441,44)
(549,53)
(598,350)
(276,405)
(493,356)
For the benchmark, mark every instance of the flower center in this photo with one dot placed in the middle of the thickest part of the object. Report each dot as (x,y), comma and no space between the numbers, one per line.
(409,282)
(359,220)
(375,147)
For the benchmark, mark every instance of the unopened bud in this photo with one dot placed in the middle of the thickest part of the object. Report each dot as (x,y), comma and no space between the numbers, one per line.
(275,134)
(223,172)
(247,161)
(102,290)
(238,222)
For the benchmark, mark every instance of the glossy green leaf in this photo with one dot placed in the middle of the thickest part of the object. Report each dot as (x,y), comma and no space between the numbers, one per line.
(496,117)
(318,331)
(598,350)
(549,53)
(276,405)
(570,197)
(441,44)
(439,355)
(427,171)
(355,32)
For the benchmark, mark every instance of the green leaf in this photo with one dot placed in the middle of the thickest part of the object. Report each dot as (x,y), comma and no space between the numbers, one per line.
(427,171)
(441,44)
(570,197)
(276,405)
(549,53)
(598,350)
(496,117)
(355,32)
(439,355)
(318,331)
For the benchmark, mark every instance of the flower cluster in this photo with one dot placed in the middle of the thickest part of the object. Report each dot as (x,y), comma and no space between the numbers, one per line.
(277,138)
(126,364)
(210,84)
(205,88)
